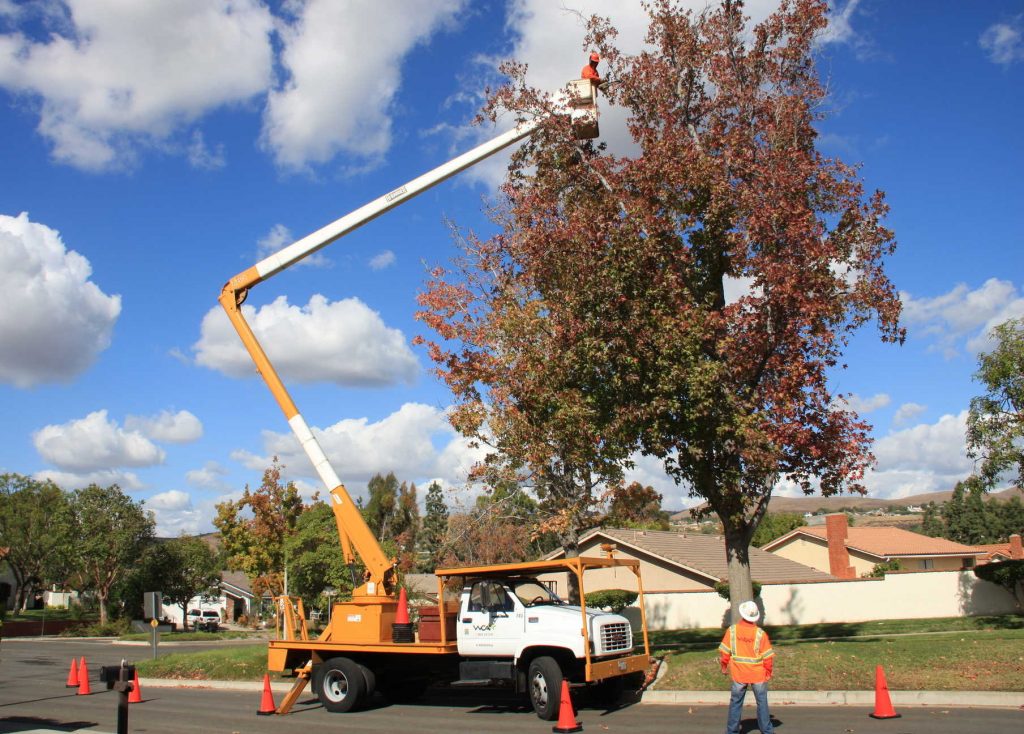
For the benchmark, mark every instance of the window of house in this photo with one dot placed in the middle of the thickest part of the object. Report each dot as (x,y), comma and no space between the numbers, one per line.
(927,564)
(969,563)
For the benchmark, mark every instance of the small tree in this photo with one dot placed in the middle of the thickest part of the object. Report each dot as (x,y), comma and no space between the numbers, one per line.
(775,525)
(433,529)
(635,506)
(1008,574)
(995,423)
(193,569)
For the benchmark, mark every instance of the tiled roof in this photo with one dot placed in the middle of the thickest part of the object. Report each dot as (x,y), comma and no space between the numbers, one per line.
(237,579)
(705,554)
(990,550)
(890,542)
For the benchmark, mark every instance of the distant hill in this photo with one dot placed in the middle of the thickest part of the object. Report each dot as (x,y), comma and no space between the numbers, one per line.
(813,503)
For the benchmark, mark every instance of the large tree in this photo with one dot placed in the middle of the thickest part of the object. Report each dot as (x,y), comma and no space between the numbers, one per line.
(690,295)
(111,532)
(433,529)
(34,528)
(995,423)
(254,528)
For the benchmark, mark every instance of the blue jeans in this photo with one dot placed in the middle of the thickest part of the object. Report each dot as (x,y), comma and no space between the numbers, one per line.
(739,691)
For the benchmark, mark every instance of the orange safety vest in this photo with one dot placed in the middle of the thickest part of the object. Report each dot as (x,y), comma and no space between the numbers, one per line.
(748,652)
(589,72)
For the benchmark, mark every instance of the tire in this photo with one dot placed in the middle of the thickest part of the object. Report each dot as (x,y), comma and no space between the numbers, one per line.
(341,685)
(544,684)
(371,681)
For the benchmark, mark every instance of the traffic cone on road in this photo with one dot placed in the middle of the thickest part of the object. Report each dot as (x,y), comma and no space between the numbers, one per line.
(83,679)
(566,716)
(136,695)
(883,705)
(267,706)
(73,675)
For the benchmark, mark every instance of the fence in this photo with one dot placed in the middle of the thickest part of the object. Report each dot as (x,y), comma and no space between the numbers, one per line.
(897,596)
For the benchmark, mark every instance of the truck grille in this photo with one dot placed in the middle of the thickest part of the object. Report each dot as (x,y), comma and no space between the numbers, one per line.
(615,637)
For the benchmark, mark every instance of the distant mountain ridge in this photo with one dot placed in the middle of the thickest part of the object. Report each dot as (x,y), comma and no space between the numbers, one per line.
(812,503)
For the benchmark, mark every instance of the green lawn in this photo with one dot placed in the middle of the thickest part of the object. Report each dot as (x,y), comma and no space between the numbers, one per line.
(977,653)
(188,636)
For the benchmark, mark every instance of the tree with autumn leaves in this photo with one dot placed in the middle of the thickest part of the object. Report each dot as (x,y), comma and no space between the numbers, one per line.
(687,298)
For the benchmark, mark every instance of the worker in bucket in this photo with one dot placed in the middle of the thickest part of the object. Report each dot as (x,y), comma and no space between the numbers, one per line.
(746,653)
(590,70)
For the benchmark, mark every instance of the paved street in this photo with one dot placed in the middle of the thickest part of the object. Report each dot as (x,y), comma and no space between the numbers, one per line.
(33,697)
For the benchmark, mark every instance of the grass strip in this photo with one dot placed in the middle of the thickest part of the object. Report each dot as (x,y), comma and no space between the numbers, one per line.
(187,636)
(239,662)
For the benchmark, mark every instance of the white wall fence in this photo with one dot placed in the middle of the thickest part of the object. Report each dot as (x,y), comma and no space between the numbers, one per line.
(897,596)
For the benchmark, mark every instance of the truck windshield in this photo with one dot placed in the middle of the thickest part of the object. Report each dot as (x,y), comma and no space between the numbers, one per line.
(532,592)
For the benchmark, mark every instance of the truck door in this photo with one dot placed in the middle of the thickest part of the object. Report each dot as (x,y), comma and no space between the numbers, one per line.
(491,620)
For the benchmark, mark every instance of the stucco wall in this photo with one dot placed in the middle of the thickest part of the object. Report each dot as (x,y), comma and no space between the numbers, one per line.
(813,552)
(897,596)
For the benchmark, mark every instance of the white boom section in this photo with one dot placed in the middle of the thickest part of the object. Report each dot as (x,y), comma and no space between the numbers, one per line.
(339,227)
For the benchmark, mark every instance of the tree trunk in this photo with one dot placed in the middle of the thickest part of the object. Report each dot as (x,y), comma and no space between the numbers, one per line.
(101,596)
(184,616)
(737,547)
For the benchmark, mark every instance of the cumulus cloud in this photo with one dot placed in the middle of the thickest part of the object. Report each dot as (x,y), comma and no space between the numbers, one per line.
(210,476)
(342,64)
(111,76)
(70,481)
(1003,43)
(928,457)
(55,320)
(344,342)
(94,443)
(416,442)
(278,238)
(382,260)
(963,318)
(907,412)
(175,513)
(862,405)
(167,427)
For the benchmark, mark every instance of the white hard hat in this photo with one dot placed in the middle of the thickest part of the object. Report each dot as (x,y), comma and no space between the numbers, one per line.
(749,611)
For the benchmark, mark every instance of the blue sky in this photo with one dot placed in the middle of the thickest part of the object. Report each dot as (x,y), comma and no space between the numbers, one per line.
(150,153)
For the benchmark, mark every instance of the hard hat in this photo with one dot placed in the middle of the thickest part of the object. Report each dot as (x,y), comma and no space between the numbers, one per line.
(595,57)
(749,611)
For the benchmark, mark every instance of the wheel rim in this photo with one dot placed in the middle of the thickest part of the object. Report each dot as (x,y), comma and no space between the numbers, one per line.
(335,686)
(539,690)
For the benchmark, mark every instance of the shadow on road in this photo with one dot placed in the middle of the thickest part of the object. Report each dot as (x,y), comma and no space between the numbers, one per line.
(12,724)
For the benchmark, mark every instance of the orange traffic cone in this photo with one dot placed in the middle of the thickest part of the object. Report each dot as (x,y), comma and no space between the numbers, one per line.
(73,675)
(566,716)
(883,706)
(267,706)
(136,695)
(83,679)
(402,614)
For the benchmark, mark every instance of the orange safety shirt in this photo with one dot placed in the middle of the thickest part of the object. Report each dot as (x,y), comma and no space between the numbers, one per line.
(748,652)
(589,72)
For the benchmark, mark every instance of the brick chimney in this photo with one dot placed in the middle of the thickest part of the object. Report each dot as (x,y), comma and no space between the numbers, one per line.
(1016,551)
(838,556)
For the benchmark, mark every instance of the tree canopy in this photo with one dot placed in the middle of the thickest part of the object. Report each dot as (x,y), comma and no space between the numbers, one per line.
(689,297)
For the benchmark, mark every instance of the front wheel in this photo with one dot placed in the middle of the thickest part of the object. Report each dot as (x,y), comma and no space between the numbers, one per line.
(341,685)
(544,679)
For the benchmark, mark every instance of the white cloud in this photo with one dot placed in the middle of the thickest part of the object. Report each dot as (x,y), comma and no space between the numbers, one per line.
(54,320)
(907,412)
(94,443)
(180,427)
(343,70)
(928,457)
(200,156)
(211,476)
(278,238)
(405,442)
(862,405)
(1004,42)
(175,514)
(963,318)
(382,260)
(76,480)
(344,342)
(114,75)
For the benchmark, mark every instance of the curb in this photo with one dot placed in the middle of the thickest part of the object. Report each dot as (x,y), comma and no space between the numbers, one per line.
(994,699)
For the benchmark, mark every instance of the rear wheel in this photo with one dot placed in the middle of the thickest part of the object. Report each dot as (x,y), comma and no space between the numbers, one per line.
(341,685)
(544,682)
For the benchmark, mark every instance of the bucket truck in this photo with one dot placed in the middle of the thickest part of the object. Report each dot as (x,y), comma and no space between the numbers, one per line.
(508,627)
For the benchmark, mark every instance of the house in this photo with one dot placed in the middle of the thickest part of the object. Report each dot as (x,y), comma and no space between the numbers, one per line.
(1001,551)
(234,598)
(849,552)
(672,561)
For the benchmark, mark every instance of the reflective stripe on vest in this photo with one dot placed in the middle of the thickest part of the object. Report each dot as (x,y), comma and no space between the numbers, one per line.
(758,657)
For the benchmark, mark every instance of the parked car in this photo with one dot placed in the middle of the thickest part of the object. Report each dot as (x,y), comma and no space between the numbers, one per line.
(206,620)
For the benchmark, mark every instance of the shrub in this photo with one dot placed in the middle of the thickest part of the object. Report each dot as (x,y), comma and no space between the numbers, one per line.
(614,599)
(878,572)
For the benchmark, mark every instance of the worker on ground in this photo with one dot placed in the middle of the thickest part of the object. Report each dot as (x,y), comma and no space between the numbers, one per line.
(746,652)
(590,70)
